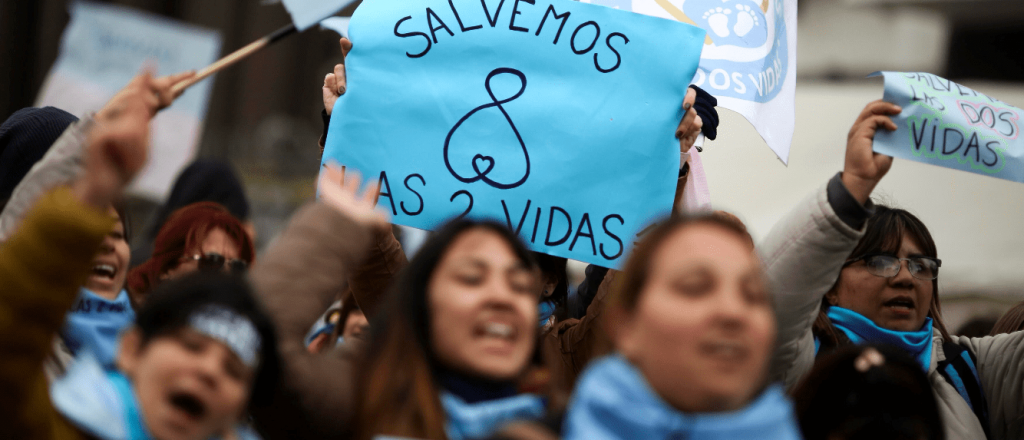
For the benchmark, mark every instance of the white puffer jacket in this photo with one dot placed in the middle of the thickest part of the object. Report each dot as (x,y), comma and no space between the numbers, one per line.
(803,255)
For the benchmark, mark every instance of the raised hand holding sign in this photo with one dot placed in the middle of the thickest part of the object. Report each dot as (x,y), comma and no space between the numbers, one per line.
(946,124)
(553,116)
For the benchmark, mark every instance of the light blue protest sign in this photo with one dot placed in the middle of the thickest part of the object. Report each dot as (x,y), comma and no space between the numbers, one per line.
(946,124)
(554,117)
(306,13)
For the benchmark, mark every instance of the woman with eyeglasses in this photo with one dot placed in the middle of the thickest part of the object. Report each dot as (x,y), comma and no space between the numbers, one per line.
(203,180)
(200,236)
(847,271)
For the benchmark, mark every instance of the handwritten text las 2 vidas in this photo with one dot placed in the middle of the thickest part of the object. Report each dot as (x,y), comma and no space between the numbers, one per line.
(947,124)
(553,117)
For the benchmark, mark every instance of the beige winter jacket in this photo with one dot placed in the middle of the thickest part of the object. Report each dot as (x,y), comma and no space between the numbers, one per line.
(803,255)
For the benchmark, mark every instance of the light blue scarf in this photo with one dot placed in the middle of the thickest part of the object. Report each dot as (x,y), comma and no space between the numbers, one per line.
(99,403)
(482,419)
(544,311)
(613,401)
(862,330)
(94,324)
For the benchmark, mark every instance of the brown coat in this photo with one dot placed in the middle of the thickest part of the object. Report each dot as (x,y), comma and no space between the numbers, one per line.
(571,344)
(372,278)
(42,266)
(297,280)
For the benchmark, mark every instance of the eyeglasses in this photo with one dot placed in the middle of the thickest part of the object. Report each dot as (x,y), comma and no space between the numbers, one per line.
(887,266)
(213,261)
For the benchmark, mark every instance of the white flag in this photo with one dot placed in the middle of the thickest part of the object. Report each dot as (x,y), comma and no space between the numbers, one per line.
(749,57)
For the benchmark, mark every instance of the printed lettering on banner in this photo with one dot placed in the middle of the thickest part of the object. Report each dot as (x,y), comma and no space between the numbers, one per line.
(749,57)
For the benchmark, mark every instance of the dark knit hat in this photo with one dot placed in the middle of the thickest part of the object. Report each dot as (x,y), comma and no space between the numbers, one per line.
(201,181)
(24,138)
(204,181)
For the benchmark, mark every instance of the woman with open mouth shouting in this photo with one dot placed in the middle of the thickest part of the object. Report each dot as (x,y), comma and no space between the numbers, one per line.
(103,307)
(847,271)
(185,369)
(454,336)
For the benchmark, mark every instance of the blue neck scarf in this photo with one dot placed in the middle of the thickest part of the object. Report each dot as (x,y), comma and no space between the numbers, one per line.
(133,418)
(100,403)
(477,408)
(544,311)
(613,401)
(482,419)
(862,330)
(94,323)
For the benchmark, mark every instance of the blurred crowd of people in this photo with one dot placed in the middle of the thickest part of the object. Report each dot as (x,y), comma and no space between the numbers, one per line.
(829,328)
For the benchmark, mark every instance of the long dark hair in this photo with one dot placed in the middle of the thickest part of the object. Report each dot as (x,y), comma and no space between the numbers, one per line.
(398,391)
(885,231)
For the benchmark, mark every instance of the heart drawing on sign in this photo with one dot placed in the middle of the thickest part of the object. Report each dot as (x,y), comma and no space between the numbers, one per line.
(482,158)
(489,162)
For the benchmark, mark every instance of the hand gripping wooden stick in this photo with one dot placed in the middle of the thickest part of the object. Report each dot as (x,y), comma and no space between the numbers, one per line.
(234,57)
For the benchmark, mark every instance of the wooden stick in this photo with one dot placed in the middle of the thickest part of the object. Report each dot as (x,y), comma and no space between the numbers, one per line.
(235,57)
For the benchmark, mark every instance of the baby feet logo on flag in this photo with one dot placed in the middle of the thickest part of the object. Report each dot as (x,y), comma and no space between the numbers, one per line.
(749,57)
(739,25)
(743,59)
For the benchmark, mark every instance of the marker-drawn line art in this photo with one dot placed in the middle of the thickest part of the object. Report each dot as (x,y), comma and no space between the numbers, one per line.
(481,174)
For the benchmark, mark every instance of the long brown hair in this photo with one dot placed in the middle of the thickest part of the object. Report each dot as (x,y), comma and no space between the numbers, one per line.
(1011,321)
(885,231)
(626,293)
(397,380)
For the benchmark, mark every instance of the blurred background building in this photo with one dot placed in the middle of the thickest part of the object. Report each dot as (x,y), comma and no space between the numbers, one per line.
(264,118)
